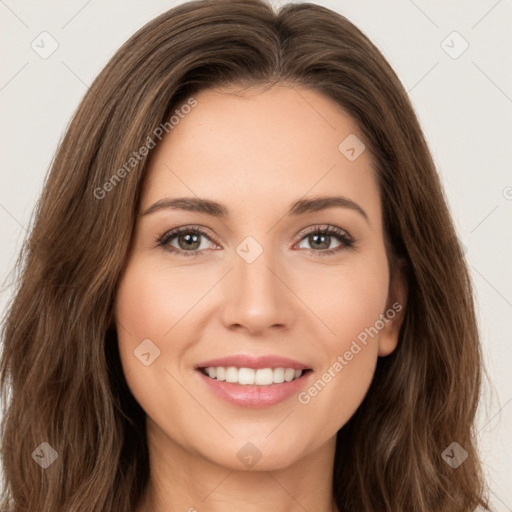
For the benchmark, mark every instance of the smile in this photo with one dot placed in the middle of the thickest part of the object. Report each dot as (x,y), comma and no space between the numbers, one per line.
(249,376)
(270,386)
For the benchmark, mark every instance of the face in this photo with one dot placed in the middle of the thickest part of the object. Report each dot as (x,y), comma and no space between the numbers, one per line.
(255,282)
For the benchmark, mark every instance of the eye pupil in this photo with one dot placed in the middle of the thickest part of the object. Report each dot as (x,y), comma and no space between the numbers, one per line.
(189,241)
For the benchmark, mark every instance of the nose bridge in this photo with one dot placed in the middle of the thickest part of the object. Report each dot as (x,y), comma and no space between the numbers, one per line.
(255,295)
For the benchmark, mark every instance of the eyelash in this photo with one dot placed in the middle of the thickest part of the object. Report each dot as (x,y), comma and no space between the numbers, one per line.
(346,240)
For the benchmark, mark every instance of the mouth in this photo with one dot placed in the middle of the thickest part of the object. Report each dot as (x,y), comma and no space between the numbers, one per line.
(254,382)
(253,377)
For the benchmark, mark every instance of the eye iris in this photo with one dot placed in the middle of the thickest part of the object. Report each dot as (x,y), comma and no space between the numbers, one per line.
(315,237)
(190,239)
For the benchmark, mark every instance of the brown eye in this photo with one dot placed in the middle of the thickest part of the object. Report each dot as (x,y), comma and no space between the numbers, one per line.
(320,240)
(189,241)
(185,241)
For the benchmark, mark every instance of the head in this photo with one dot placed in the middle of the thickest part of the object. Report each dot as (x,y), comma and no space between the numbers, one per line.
(258,282)
(272,110)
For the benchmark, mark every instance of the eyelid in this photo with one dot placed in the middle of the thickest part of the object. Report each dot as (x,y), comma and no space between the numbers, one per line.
(171,233)
(344,236)
(329,228)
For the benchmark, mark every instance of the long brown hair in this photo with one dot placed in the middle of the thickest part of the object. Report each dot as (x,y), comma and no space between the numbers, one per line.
(61,375)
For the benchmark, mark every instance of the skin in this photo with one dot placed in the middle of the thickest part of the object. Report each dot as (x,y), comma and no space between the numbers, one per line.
(255,151)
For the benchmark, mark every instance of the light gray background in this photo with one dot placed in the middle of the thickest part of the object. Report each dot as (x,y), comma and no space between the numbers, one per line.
(464,105)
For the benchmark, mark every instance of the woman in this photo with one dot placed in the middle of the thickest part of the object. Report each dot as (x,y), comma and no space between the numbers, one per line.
(180,341)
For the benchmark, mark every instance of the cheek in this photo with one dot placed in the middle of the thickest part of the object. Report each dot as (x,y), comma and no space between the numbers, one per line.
(339,389)
(146,308)
(151,301)
(159,303)
(354,297)
(350,358)
(155,302)
(348,299)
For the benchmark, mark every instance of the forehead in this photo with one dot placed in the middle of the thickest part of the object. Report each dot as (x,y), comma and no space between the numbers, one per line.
(262,147)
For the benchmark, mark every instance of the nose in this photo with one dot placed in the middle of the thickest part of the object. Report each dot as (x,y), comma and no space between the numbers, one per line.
(256,297)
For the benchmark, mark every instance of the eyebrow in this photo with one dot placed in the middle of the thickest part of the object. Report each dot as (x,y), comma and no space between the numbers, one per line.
(215,209)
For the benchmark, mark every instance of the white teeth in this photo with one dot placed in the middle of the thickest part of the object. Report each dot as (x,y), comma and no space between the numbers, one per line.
(231,374)
(289,374)
(248,376)
(264,376)
(279,375)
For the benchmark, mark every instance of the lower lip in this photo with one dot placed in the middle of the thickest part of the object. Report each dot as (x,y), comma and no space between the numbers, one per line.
(253,396)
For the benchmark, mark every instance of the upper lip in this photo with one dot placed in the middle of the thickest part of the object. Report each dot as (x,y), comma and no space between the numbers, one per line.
(247,361)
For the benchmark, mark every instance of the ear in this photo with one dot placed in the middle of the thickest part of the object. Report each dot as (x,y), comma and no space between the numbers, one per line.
(393,316)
